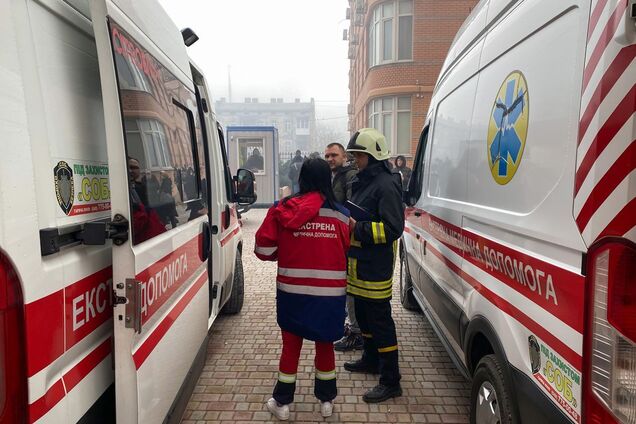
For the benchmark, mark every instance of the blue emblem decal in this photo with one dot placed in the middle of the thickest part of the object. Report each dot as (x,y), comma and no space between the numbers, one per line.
(508,128)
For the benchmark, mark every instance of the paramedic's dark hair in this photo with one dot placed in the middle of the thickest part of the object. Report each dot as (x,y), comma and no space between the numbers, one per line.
(340,146)
(315,175)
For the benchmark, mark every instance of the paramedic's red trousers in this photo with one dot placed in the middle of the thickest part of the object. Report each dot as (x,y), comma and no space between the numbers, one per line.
(325,362)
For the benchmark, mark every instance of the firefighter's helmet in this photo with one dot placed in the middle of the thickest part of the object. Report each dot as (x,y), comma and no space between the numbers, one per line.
(370,141)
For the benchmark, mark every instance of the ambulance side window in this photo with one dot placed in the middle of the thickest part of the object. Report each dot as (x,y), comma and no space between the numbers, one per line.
(227,174)
(164,142)
(415,183)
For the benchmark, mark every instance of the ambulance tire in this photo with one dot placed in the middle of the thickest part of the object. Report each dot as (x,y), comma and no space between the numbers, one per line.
(235,302)
(489,393)
(406,285)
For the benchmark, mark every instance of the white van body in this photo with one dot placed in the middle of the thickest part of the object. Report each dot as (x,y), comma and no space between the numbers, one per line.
(90,93)
(523,210)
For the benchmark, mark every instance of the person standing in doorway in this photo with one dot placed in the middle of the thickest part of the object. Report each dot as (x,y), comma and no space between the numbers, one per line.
(294,171)
(405,171)
(311,288)
(342,175)
(371,259)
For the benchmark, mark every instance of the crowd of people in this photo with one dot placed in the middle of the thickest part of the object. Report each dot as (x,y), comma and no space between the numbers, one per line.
(154,200)
(348,207)
(398,166)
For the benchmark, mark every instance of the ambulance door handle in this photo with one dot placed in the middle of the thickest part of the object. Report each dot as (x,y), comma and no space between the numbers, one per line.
(206,242)
(227,217)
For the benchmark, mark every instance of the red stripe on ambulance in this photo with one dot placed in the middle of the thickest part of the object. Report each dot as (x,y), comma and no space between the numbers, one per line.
(155,337)
(72,378)
(163,278)
(50,332)
(559,291)
(565,351)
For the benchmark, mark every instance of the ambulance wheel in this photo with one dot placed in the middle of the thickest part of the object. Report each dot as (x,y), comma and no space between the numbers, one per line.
(235,302)
(490,400)
(406,285)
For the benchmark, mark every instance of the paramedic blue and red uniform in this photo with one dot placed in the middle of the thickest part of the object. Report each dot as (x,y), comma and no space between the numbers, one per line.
(310,241)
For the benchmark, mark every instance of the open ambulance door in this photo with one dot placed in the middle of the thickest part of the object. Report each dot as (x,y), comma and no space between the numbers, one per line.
(160,228)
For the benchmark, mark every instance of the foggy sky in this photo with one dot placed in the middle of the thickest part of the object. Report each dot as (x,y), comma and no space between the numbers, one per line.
(277,48)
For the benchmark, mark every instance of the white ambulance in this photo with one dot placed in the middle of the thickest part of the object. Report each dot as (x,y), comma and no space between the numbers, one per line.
(519,243)
(119,238)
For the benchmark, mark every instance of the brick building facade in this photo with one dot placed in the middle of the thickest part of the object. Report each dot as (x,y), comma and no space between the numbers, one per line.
(396,50)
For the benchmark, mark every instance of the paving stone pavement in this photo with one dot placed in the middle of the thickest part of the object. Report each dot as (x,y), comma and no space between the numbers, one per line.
(242,361)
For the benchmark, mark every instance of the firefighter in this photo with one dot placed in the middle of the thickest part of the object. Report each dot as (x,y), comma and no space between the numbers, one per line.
(371,259)
(311,288)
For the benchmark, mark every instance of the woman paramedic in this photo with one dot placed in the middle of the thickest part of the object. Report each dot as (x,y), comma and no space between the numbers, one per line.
(308,233)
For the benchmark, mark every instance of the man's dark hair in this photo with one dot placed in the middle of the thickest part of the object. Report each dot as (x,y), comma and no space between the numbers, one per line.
(340,146)
(315,175)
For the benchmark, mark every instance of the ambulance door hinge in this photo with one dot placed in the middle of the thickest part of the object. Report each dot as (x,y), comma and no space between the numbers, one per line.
(118,300)
(215,290)
(132,300)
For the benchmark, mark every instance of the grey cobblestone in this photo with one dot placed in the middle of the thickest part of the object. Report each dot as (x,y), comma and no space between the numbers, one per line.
(242,361)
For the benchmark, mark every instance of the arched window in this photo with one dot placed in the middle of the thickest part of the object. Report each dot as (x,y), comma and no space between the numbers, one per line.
(391,32)
(392,117)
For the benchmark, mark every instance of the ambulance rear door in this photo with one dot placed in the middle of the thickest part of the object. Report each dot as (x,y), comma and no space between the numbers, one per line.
(159,223)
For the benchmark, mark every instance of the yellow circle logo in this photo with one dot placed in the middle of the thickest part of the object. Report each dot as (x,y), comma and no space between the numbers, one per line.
(508,128)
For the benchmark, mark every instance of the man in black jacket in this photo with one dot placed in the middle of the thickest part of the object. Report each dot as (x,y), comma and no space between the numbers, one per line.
(341,177)
(371,259)
(341,174)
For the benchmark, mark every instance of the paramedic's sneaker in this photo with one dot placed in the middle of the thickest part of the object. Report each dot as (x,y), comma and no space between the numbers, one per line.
(361,366)
(279,411)
(351,342)
(380,393)
(326,409)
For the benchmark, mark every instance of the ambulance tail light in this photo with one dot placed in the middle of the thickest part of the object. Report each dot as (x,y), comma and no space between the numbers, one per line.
(610,336)
(13,379)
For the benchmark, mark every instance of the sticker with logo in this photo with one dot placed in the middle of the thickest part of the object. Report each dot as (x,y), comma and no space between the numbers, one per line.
(558,378)
(64,186)
(508,128)
(81,187)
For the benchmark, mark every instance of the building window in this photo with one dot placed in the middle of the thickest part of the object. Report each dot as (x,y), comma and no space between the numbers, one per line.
(147,139)
(302,123)
(130,76)
(392,117)
(391,32)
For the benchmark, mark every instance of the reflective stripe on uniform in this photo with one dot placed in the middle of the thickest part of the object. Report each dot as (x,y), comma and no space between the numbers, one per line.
(352,268)
(286,378)
(367,335)
(267,251)
(326,375)
(312,273)
(311,290)
(370,285)
(379,236)
(369,294)
(382,233)
(374,230)
(353,241)
(387,349)
(330,213)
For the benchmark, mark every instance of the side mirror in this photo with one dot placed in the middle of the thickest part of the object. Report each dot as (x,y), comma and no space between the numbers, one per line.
(244,187)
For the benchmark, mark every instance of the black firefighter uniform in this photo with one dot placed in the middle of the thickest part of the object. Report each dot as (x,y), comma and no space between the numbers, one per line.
(371,259)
